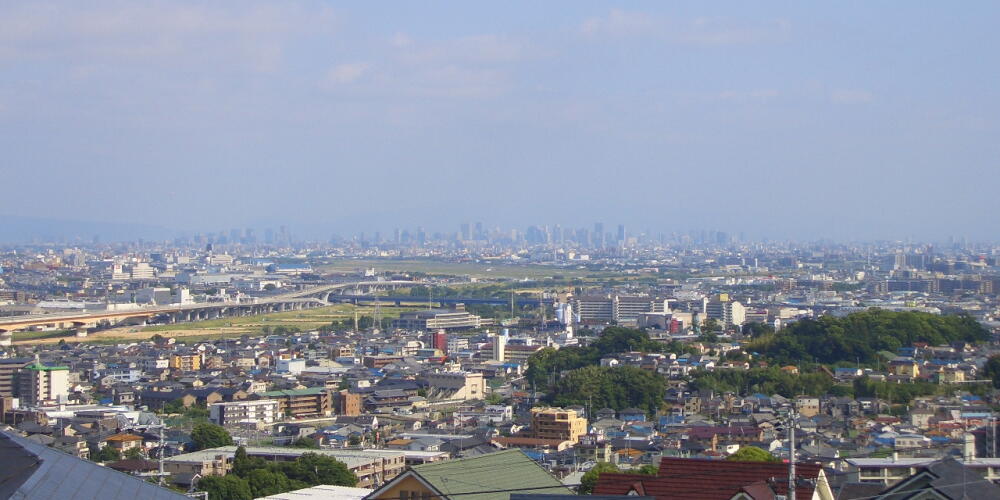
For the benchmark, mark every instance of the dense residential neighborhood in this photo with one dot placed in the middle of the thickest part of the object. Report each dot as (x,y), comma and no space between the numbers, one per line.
(606,378)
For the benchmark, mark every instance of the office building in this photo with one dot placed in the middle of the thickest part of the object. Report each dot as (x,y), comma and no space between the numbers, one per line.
(455,318)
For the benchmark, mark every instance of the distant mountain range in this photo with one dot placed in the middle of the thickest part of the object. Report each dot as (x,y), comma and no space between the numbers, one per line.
(18,229)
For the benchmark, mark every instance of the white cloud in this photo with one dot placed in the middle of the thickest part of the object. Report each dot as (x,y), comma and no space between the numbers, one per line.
(618,22)
(251,36)
(700,31)
(747,95)
(346,73)
(477,49)
(849,96)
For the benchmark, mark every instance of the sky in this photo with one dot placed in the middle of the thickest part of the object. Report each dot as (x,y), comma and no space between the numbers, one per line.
(851,120)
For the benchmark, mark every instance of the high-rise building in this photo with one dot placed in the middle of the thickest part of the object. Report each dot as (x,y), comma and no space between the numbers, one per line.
(727,312)
(466,232)
(499,347)
(8,375)
(621,233)
(598,236)
(38,384)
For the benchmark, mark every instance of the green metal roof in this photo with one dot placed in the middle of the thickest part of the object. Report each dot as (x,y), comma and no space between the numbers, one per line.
(504,470)
(309,391)
(42,368)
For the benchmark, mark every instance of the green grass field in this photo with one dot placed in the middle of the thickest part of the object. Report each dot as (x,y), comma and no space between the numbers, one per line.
(304,320)
(48,334)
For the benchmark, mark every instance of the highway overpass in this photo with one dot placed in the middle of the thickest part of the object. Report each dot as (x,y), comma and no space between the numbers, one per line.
(142,316)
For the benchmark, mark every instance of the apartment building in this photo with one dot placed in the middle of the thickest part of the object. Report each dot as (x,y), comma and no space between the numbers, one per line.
(8,375)
(557,424)
(254,414)
(301,403)
(186,362)
(38,384)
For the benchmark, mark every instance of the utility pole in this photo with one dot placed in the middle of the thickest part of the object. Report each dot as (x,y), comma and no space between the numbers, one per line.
(791,453)
(161,453)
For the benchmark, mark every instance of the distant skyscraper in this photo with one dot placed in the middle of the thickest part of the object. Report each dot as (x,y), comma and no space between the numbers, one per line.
(466,234)
(621,233)
(480,234)
(598,235)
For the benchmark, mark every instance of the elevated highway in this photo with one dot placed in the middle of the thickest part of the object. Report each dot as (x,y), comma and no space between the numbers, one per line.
(323,292)
(142,316)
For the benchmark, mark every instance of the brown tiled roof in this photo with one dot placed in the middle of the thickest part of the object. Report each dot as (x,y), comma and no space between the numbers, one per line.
(697,479)
(124,437)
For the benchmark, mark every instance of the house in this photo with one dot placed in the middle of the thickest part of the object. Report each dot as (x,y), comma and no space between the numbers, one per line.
(718,479)
(946,479)
(485,477)
(34,471)
(124,442)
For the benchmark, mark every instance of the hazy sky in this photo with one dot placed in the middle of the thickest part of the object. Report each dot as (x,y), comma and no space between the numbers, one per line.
(866,119)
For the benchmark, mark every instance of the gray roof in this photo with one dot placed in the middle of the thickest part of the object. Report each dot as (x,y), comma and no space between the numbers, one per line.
(33,471)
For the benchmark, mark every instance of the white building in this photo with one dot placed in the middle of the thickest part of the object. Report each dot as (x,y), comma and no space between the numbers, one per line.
(39,384)
(293,366)
(256,414)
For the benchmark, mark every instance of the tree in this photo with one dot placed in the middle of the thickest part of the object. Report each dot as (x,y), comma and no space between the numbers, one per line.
(228,487)
(991,370)
(589,478)
(314,469)
(243,464)
(106,454)
(171,407)
(210,436)
(602,387)
(752,454)
(304,442)
(134,452)
(269,287)
(264,482)
(861,336)
(647,469)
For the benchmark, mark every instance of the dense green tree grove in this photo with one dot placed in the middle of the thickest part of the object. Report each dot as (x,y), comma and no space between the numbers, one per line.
(763,380)
(991,370)
(752,454)
(256,477)
(546,365)
(893,392)
(589,478)
(860,336)
(618,388)
(207,435)
(774,381)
